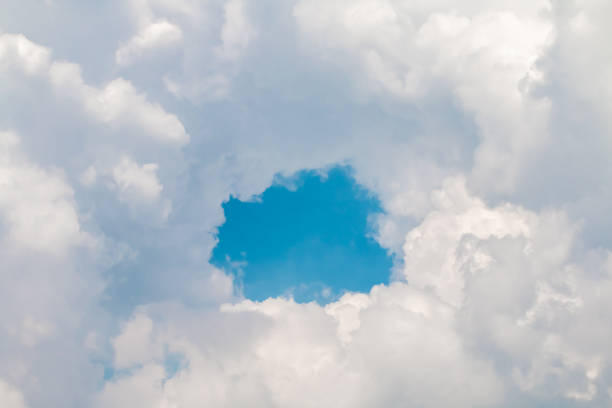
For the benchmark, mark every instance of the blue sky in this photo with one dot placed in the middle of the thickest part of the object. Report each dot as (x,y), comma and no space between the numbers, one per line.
(312,240)
(307,203)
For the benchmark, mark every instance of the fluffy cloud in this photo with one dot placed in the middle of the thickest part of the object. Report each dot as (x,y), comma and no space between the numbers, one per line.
(293,355)
(10,397)
(483,127)
(48,280)
(481,56)
(153,36)
(117,104)
(17,52)
(209,38)
(37,206)
(490,305)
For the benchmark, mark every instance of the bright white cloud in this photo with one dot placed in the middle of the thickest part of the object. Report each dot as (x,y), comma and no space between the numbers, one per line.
(118,103)
(482,284)
(292,355)
(37,206)
(48,279)
(18,52)
(154,36)
(482,126)
(481,57)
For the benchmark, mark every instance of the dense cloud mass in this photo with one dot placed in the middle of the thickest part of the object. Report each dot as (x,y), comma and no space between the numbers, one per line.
(483,127)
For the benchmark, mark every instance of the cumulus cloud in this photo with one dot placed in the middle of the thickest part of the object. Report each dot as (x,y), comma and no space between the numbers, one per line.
(293,356)
(139,186)
(154,36)
(480,56)
(10,397)
(485,289)
(37,206)
(18,52)
(236,32)
(48,278)
(51,241)
(482,126)
(209,38)
(139,180)
(118,103)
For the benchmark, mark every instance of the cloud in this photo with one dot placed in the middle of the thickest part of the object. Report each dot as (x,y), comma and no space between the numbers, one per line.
(486,288)
(209,38)
(139,186)
(292,356)
(139,180)
(10,397)
(477,56)
(52,242)
(134,344)
(48,282)
(483,128)
(236,32)
(37,206)
(118,103)
(157,35)
(18,52)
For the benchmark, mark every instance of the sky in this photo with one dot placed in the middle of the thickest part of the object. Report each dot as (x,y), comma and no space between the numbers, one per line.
(306,203)
(309,240)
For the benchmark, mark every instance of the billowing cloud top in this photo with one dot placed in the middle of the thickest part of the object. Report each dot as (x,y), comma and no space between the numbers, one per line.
(483,127)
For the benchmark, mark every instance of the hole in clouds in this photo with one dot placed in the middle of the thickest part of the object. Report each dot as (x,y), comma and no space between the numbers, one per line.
(307,237)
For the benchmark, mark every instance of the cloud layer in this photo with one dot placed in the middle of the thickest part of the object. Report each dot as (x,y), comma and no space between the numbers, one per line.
(483,128)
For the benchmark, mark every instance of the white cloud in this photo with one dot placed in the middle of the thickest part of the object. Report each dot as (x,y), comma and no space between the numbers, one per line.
(236,32)
(134,344)
(210,40)
(89,176)
(48,278)
(434,251)
(118,103)
(291,355)
(480,57)
(37,206)
(138,181)
(497,287)
(18,52)
(158,35)
(503,274)
(139,187)
(10,397)
(142,388)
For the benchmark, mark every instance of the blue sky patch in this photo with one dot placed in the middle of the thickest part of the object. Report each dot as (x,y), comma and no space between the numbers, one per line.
(309,239)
